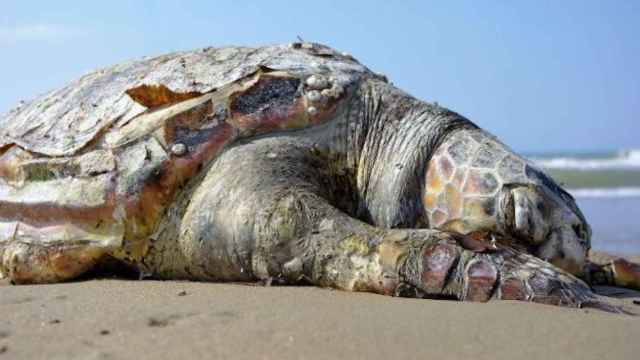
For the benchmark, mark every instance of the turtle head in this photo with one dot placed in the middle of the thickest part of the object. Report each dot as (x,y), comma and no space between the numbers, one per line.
(547,219)
(476,185)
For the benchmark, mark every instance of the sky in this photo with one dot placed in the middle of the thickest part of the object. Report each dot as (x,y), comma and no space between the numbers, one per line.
(544,76)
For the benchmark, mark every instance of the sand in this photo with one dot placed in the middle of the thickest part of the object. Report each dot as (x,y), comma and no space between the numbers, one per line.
(124,319)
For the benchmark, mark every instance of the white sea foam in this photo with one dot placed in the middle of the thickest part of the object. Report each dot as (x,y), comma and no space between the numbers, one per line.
(624,160)
(622,192)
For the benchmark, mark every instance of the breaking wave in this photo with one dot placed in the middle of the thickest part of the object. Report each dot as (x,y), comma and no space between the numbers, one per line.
(623,160)
(622,192)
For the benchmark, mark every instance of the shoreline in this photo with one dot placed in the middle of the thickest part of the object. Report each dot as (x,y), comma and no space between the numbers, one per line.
(125,319)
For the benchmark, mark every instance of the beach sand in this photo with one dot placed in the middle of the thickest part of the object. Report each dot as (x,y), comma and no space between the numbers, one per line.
(125,319)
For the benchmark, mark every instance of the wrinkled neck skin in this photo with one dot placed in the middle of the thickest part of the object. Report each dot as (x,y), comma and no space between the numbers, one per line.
(382,140)
(411,164)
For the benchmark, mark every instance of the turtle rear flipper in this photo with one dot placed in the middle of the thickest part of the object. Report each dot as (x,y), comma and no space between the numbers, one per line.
(626,273)
(25,263)
(608,270)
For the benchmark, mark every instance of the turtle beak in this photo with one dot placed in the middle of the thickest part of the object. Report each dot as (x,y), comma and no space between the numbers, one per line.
(568,241)
(566,250)
(551,225)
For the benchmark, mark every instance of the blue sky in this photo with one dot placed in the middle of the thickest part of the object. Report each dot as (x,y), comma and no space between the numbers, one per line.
(542,75)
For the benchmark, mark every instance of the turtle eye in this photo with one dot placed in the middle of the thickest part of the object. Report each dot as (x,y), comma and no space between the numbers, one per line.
(581,232)
(577,228)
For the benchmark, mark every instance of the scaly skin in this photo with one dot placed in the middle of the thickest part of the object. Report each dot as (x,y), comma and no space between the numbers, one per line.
(475,184)
(292,176)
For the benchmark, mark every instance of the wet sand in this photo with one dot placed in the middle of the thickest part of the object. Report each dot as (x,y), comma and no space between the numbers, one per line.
(124,319)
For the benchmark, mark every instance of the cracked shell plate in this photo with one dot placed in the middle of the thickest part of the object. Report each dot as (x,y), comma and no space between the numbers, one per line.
(104,174)
(62,122)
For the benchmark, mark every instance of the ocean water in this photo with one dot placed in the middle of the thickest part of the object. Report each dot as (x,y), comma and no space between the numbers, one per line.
(607,189)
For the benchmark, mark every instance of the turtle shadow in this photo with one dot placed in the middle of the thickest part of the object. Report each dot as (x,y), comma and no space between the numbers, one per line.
(616,292)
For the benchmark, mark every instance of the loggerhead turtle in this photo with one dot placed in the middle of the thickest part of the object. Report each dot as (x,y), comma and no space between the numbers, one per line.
(289,163)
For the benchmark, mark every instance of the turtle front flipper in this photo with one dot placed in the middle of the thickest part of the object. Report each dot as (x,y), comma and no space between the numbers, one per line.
(264,212)
(604,269)
(446,268)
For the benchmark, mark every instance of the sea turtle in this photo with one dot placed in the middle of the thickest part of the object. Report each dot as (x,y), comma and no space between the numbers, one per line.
(288,163)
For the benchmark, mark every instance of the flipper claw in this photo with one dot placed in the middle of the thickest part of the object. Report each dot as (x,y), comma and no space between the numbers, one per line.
(604,305)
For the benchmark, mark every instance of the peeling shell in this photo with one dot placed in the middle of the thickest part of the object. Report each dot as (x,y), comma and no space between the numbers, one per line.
(312,111)
(307,45)
(179,149)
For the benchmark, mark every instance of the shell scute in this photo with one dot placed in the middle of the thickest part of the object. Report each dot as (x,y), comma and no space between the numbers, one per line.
(64,121)
(94,160)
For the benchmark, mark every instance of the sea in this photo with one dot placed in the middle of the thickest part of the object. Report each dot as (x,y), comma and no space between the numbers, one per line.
(606,186)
